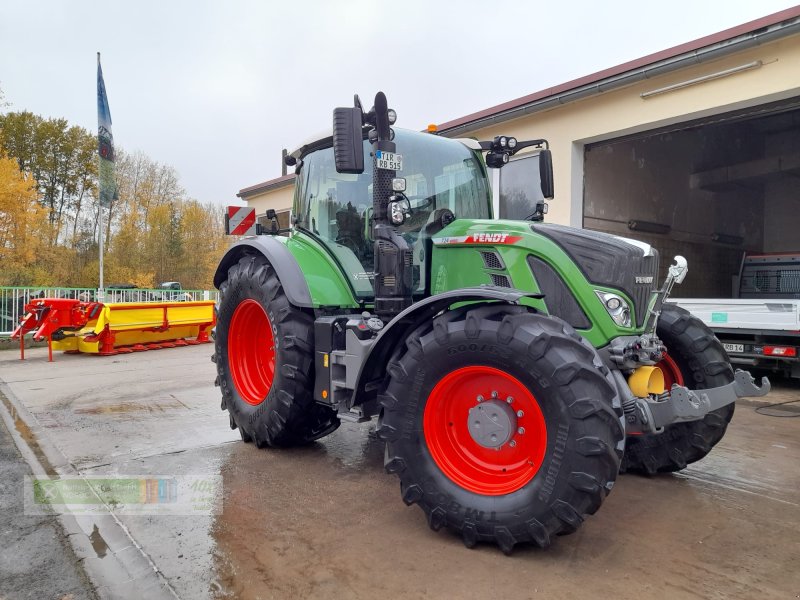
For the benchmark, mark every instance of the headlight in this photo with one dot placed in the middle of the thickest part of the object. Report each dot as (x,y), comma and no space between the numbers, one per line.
(617,307)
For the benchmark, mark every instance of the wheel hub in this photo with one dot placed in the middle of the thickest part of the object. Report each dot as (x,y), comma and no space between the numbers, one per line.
(491,445)
(492,424)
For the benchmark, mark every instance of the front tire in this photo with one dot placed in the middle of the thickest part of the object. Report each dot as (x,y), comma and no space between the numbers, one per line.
(556,452)
(264,355)
(695,358)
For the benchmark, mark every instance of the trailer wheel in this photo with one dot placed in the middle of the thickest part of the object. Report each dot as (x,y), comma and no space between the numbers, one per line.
(696,359)
(264,355)
(503,425)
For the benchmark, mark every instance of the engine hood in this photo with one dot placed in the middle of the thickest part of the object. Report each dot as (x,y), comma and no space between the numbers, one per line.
(608,260)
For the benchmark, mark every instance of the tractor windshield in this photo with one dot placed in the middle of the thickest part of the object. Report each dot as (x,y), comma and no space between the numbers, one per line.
(336,207)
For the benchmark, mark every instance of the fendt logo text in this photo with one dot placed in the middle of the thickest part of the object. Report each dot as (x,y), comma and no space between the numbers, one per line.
(480,238)
(489,238)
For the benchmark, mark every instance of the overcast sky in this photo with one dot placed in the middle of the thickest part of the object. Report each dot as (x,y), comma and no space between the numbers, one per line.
(216,89)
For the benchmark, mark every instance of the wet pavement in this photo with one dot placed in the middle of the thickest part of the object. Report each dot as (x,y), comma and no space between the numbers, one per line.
(36,559)
(325,520)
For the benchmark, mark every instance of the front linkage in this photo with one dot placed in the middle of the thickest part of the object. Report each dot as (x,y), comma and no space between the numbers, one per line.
(649,408)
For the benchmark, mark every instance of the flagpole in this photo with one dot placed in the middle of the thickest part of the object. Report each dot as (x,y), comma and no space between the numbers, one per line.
(101,292)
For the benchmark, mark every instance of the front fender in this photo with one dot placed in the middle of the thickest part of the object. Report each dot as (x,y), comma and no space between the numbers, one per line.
(396,331)
(284,263)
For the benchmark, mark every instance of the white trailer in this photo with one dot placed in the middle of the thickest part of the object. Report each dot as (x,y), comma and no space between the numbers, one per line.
(761,328)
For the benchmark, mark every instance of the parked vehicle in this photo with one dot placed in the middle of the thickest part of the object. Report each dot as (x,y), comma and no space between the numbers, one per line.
(761,326)
(515,367)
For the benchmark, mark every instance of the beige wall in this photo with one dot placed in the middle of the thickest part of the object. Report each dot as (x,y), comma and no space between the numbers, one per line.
(622,112)
(280,199)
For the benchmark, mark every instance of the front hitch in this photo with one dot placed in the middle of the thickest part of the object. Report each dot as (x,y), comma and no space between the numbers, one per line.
(681,404)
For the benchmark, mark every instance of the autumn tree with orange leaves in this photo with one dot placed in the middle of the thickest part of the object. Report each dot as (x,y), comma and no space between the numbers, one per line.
(22,220)
(49,214)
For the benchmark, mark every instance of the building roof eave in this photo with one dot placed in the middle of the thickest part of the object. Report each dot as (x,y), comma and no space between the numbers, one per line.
(266,186)
(753,33)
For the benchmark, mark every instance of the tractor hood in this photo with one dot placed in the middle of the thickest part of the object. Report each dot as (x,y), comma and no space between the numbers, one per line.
(569,266)
(608,260)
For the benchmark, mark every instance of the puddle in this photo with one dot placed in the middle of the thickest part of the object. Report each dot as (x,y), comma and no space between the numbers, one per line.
(28,436)
(98,543)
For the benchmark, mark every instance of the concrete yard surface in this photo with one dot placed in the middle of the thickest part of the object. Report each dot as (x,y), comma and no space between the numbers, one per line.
(326,521)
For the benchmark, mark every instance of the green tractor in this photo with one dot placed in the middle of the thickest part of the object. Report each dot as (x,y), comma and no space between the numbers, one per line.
(515,367)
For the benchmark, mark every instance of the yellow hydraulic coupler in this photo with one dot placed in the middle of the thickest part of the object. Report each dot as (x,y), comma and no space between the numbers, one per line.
(645,381)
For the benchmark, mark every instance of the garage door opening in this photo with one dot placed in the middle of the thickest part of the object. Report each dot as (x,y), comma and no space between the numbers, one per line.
(709,190)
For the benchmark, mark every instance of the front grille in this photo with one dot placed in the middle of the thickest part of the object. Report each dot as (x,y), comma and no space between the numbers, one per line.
(642,292)
(492,260)
(501,280)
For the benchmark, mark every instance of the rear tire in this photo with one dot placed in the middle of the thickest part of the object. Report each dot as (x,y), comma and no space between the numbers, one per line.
(264,355)
(697,360)
(560,467)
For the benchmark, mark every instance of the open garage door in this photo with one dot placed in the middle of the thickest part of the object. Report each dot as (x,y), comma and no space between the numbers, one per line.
(710,190)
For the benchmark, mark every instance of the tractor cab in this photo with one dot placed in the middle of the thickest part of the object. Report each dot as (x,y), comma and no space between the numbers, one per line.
(441,178)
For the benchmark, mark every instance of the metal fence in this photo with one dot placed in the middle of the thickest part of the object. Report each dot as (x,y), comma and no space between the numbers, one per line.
(14,299)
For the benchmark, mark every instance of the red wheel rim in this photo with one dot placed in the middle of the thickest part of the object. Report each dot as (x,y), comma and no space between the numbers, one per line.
(671,371)
(473,466)
(251,351)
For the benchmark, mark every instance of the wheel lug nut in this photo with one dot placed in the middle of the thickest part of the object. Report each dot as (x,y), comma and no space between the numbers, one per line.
(520,413)
(509,399)
(521,430)
(480,398)
(512,443)
(494,394)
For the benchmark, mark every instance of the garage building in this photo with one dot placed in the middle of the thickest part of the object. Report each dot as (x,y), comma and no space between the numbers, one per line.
(695,149)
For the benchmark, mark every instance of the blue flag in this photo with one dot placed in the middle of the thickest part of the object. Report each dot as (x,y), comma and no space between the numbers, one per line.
(105,143)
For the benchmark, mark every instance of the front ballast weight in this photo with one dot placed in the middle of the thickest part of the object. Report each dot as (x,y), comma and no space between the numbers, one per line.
(680,404)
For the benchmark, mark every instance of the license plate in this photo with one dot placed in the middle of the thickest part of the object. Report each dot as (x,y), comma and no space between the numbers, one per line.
(389,160)
(733,347)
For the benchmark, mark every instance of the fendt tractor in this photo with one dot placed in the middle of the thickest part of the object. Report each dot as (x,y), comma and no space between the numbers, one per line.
(514,367)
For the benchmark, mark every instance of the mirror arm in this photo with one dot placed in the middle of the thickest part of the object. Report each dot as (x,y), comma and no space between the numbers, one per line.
(487,146)
(529,144)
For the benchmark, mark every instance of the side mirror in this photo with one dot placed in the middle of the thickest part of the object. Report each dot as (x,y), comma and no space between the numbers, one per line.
(347,140)
(546,173)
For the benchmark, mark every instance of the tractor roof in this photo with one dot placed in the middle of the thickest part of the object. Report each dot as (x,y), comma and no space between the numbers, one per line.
(324,139)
